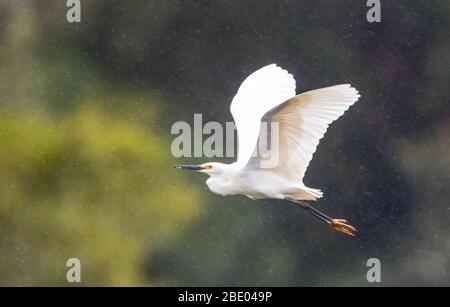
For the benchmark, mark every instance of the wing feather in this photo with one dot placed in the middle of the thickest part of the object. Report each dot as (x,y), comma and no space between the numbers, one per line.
(303,121)
(260,92)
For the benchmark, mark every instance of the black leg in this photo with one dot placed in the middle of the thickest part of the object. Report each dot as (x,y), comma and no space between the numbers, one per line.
(310,209)
(337,224)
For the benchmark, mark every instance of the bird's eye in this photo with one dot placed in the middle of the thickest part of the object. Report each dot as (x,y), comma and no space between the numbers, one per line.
(208,167)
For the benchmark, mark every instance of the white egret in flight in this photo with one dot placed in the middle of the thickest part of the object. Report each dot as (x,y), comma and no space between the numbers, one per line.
(268,95)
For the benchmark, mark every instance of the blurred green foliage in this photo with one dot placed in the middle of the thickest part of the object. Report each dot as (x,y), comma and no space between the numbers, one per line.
(90,187)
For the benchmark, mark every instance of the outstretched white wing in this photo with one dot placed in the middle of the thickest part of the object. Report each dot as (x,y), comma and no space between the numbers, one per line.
(303,121)
(260,92)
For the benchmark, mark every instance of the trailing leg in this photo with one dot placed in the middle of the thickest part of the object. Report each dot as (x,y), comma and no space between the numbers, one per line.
(337,224)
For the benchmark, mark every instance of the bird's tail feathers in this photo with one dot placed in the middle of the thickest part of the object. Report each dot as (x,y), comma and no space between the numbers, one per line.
(305,193)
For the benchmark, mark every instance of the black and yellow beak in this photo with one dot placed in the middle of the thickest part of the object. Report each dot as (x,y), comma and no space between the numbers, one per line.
(191,167)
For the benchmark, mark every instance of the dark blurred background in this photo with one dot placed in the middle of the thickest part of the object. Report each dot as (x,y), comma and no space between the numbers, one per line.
(85,163)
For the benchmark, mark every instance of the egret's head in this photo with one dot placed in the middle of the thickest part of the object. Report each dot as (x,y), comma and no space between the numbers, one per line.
(210,168)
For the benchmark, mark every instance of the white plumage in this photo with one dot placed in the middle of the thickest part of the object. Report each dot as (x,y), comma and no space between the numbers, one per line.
(263,90)
(268,95)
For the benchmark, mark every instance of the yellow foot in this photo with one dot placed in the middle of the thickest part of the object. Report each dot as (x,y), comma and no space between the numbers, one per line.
(342,226)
